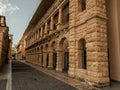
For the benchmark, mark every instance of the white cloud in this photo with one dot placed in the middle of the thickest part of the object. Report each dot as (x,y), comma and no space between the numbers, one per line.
(5,6)
(4,0)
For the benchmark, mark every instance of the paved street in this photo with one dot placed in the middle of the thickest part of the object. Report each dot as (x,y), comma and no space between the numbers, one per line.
(25,77)
(3,84)
(114,86)
(5,77)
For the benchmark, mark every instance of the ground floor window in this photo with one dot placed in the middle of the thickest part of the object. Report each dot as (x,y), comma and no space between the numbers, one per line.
(82,54)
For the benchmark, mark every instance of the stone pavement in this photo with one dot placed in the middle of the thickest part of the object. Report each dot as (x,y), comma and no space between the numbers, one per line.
(5,77)
(63,77)
(73,82)
(25,77)
(114,86)
(3,84)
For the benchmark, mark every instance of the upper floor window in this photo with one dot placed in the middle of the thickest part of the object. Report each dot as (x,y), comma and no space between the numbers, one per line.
(65,13)
(81,5)
(48,31)
(55,21)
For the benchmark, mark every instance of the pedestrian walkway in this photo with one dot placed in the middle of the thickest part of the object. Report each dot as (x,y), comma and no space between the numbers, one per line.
(73,82)
(25,77)
(114,86)
(79,85)
(5,78)
(3,84)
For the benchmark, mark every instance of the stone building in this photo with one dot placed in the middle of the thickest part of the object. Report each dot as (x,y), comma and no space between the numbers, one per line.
(14,53)
(20,50)
(78,37)
(21,46)
(4,42)
(10,46)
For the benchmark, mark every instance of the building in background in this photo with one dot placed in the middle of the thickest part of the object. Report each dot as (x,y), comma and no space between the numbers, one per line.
(21,48)
(14,53)
(4,41)
(77,37)
(21,53)
(10,46)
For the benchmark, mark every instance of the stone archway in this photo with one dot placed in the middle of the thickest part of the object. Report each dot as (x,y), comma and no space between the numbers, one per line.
(34,60)
(32,51)
(47,55)
(65,54)
(41,56)
(37,55)
(54,54)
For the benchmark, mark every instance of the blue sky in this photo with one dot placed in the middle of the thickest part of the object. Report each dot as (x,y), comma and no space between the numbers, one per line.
(18,14)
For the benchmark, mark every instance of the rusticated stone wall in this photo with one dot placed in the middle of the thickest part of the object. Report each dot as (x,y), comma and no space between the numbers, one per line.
(4,42)
(72,37)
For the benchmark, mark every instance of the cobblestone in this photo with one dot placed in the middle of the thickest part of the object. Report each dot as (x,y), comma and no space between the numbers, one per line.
(3,84)
(25,77)
(4,77)
(114,86)
(62,77)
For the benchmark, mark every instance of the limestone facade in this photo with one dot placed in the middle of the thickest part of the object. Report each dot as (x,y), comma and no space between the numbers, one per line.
(10,46)
(4,42)
(20,50)
(71,37)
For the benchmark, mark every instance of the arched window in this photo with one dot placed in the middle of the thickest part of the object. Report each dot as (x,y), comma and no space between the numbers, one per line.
(82,63)
(81,5)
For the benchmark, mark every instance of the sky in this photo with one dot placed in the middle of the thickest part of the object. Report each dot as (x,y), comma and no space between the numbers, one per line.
(18,15)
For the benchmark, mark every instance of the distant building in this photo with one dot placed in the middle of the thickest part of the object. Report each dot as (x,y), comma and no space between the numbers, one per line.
(4,41)
(14,53)
(21,53)
(21,50)
(77,37)
(10,46)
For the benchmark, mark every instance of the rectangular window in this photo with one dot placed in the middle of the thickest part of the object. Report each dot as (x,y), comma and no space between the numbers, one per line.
(81,5)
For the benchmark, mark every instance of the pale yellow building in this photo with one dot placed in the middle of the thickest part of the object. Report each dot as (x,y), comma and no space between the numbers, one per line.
(21,46)
(21,50)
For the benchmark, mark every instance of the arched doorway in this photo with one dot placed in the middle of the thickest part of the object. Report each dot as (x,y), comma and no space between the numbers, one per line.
(54,55)
(65,56)
(47,55)
(37,55)
(41,56)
